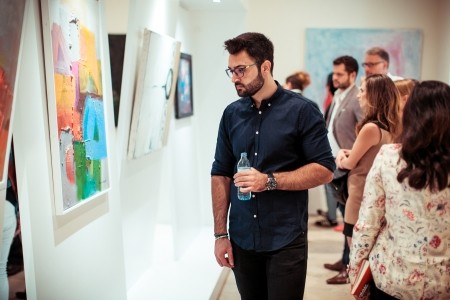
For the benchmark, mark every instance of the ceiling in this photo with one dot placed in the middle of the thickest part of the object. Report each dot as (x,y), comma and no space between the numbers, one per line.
(224,5)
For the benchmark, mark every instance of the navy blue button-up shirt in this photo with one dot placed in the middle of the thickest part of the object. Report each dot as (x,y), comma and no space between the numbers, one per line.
(287,131)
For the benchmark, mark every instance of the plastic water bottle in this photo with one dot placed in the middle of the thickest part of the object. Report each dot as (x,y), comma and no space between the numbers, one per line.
(243,164)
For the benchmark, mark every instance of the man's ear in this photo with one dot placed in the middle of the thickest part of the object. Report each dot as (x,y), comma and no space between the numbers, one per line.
(266,65)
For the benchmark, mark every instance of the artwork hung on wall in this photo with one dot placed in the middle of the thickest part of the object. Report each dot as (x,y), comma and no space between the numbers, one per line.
(76,106)
(154,95)
(183,104)
(11,23)
(116,56)
(324,45)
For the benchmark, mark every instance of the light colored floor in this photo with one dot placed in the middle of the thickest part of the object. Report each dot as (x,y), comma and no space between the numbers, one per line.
(325,246)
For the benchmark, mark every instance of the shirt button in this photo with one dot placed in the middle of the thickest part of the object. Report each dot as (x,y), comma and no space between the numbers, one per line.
(257,132)
(260,112)
(268,104)
(256,154)
(254,216)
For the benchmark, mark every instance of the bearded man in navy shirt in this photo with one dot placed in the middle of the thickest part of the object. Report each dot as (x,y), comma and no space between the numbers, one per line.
(264,240)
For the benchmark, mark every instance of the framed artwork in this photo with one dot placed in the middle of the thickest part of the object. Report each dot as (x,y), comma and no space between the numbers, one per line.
(154,95)
(183,104)
(323,45)
(11,23)
(76,107)
(116,56)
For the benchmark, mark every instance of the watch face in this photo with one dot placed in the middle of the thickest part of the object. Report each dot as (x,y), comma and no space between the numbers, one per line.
(271,183)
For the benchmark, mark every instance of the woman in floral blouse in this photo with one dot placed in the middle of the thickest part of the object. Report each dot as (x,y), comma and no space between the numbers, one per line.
(404,221)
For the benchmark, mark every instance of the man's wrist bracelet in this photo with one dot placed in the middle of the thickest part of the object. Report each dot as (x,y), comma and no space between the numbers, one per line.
(220,235)
(225,236)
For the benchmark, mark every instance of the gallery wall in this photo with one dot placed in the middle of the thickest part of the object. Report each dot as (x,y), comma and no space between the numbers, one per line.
(443,56)
(77,255)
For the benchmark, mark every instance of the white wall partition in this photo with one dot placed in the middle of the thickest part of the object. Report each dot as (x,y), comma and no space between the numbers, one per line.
(79,256)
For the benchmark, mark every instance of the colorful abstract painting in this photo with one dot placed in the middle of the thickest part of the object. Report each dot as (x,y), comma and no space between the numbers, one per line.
(324,45)
(155,92)
(11,21)
(75,100)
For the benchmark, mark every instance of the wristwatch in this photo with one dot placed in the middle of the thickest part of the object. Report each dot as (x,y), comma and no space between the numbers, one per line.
(271,183)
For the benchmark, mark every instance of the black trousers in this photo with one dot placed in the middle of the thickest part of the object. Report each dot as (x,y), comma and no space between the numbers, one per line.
(377,294)
(273,275)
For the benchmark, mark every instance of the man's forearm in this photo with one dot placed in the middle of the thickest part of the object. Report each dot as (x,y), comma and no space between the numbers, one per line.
(303,178)
(220,190)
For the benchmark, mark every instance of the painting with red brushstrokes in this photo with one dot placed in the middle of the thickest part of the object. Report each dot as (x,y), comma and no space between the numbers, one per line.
(11,23)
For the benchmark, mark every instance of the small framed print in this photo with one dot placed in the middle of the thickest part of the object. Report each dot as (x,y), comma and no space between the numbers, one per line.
(183,104)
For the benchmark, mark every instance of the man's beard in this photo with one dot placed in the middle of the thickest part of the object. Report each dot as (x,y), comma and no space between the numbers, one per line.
(344,85)
(250,89)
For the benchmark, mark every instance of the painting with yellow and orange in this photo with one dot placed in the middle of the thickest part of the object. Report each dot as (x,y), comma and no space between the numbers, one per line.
(11,21)
(78,91)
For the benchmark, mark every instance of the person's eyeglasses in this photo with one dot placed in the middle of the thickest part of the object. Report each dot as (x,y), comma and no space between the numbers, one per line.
(238,71)
(370,65)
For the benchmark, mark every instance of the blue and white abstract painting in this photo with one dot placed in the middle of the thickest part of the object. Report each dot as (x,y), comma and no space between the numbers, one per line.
(324,45)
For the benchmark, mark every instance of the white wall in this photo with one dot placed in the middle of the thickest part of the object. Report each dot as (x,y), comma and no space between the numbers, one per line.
(159,188)
(78,255)
(443,55)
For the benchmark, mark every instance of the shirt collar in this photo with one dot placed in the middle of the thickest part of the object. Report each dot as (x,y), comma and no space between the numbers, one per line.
(342,94)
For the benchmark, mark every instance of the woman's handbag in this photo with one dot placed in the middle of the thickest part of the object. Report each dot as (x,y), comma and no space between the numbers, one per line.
(339,183)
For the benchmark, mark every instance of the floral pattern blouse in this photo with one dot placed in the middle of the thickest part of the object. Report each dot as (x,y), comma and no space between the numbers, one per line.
(404,232)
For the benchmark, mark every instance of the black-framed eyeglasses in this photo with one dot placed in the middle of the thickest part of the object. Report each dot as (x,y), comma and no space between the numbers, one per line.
(370,64)
(239,71)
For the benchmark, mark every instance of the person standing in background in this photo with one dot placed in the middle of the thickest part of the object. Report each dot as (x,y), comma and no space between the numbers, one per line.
(329,90)
(285,137)
(379,100)
(345,113)
(403,226)
(405,87)
(297,82)
(376,61)
(9,226)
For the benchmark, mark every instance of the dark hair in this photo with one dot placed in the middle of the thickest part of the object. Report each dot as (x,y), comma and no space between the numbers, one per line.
(380,52)
(426,137)
(299,80)
(256,44)
(383,101)
(351,64)
(330,84)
